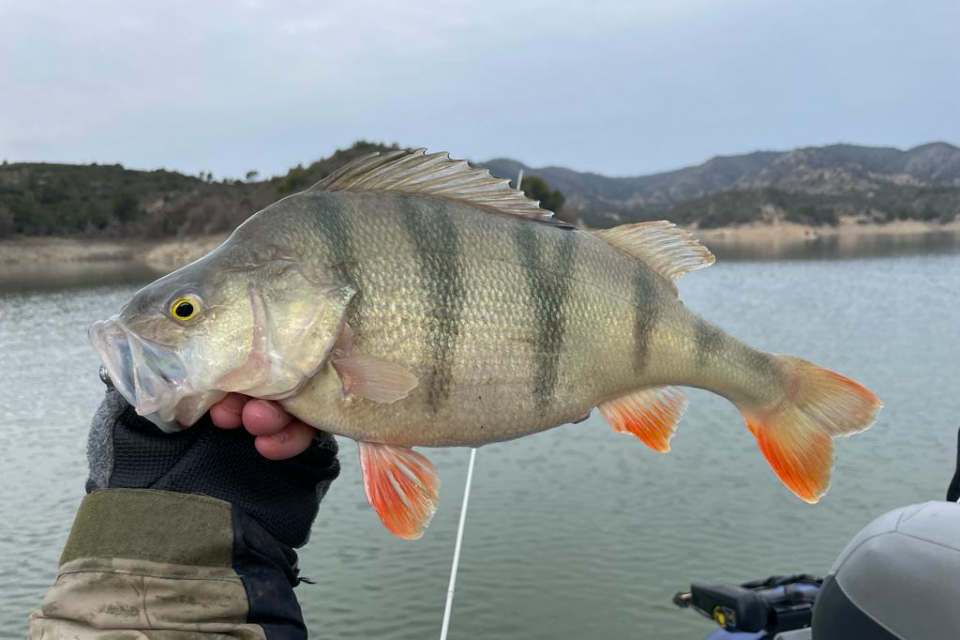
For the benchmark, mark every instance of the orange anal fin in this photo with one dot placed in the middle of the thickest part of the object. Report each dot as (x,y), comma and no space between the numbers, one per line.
(650,414)
(402,486)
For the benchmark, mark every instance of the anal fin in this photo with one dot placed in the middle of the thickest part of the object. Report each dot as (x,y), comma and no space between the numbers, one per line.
(402,486)
(651,414)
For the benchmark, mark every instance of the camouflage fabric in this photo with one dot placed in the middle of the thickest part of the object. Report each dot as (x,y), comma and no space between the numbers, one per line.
(149,564)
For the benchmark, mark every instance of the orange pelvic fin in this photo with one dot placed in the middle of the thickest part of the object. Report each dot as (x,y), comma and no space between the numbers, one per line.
(796,434)
(374,378)
(402,486)
(650,414)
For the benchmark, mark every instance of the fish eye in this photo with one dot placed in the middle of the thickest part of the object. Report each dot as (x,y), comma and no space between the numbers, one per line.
(185,308)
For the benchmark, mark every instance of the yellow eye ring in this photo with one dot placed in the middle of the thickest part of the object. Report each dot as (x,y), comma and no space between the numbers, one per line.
(185,308)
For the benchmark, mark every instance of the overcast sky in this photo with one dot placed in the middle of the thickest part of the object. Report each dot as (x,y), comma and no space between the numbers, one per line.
(618,87)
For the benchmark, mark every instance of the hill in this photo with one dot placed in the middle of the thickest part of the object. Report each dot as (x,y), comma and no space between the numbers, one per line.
(814,185)
(110,201)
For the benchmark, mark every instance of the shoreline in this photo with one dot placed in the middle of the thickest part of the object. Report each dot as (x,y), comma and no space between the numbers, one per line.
(64,254)
(786,240)
(779,231)
(778,239)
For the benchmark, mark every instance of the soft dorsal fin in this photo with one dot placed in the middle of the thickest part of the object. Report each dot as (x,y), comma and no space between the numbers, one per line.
(664,247)
(416,172)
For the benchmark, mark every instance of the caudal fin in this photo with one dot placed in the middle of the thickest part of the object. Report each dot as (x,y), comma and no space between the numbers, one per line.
(796,435)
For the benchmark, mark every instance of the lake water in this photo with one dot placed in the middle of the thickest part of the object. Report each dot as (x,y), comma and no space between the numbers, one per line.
(574,533)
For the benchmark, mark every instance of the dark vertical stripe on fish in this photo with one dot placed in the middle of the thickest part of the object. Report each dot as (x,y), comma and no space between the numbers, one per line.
(646,314)
(335,233)
(548,283)
(709,341)
(434,236)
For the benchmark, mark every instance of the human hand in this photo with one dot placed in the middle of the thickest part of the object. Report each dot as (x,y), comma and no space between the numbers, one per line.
(278,434)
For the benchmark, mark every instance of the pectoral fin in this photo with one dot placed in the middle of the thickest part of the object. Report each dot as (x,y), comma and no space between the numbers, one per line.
(650,414)
(402,486)
(374,378)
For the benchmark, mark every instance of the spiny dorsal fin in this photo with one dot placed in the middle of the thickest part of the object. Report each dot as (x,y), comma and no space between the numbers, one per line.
(664,247)
(416,172)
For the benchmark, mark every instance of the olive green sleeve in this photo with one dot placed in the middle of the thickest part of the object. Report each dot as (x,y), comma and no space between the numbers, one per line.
(147,564)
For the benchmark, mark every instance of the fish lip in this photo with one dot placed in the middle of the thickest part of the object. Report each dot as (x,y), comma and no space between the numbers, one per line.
(133,366)
(112,344)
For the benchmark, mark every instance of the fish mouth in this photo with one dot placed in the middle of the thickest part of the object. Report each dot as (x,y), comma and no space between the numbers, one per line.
(152,378)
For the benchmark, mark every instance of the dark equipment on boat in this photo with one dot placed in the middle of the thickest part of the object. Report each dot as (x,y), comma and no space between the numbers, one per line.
(895,580)
(759,609)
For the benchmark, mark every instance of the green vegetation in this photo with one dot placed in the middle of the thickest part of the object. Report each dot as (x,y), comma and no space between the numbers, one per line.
(111,201)
(730,208)
(41,199)
(745,206)
(536,187)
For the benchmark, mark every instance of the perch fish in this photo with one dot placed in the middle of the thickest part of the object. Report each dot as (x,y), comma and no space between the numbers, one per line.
(411,300)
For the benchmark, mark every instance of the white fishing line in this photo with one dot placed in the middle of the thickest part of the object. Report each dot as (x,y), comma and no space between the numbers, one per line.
(463,521)
(456,549)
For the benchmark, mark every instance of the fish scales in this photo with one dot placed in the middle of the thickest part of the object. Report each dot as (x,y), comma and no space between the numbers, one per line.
(505,331)
(436,241)
(548,281)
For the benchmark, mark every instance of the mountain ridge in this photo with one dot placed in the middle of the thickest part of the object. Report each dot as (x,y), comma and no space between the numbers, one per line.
(808,185)
(845,171)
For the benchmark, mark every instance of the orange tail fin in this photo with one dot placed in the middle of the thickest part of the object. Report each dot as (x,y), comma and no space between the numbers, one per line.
(796,435)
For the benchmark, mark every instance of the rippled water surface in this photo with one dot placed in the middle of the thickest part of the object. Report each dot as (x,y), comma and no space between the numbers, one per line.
(574,533)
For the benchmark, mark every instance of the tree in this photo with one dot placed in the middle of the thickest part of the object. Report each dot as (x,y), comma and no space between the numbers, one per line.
(295,178)
(125,207)
(8,226)
(536,187)
(252,175)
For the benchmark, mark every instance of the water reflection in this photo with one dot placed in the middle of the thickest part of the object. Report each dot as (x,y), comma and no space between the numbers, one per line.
(19,278)
(835,247)
(727,247)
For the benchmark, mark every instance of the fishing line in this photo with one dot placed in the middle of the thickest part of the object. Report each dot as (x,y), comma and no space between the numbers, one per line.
(445,626)
(456,550)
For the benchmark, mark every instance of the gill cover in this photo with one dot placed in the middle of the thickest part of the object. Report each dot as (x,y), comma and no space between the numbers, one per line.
(297,316)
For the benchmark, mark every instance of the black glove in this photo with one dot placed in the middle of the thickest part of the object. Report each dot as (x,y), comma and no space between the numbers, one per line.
(126,451)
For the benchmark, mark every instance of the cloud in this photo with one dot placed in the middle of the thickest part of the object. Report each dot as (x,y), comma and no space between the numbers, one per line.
(616,86)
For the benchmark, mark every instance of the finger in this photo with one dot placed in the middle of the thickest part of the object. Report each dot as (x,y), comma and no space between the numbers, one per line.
(264,418)
(227,414)
(293,439)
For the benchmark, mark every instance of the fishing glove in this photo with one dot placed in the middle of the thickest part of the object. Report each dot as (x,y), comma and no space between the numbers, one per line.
(126,451)
(192,533)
